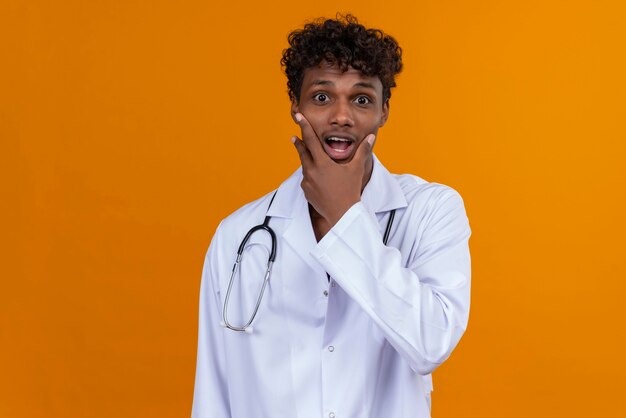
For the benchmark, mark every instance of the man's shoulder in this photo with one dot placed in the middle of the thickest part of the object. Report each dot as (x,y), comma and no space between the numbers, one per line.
(416,189)
(254,212)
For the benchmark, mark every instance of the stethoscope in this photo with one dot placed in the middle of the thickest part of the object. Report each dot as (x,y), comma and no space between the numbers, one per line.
(272,257)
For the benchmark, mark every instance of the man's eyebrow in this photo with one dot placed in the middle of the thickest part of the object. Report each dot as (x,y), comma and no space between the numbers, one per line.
(321,83)
(364,84)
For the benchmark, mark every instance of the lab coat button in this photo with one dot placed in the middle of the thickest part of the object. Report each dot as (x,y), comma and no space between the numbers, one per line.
(325,292)
(331,348)
(331,415)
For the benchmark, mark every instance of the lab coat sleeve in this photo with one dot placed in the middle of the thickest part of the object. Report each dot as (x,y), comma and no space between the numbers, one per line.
(210,397)
(423,308)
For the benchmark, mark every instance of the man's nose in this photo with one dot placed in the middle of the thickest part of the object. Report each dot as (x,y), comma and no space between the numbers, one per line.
(341,114)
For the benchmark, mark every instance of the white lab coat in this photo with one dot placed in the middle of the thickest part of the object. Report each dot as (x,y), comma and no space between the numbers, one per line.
(363,344)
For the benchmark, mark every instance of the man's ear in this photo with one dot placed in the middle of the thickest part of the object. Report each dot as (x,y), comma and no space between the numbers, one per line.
(294,108)
(385,115)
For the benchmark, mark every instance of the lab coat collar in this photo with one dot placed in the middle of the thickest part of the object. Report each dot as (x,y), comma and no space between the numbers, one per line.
(382,193)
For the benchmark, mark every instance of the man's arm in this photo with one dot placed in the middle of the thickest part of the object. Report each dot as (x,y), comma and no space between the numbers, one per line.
(210,398)
(422,310)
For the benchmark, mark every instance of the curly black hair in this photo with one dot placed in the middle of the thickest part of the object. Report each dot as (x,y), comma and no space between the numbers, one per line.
(343,42)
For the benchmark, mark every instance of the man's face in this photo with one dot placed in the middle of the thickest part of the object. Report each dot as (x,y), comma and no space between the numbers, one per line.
(342,107)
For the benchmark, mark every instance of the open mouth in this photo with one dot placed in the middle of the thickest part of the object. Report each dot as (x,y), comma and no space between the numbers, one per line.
(337,147)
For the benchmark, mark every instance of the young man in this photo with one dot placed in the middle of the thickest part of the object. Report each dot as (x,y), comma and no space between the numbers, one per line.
(369,291)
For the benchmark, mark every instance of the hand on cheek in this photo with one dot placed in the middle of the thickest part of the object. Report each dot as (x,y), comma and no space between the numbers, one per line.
(331,188)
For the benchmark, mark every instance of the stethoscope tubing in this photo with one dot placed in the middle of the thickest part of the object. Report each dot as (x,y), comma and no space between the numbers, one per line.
(270,262)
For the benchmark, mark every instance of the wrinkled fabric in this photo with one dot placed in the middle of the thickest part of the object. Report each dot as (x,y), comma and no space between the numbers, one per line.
(360,345)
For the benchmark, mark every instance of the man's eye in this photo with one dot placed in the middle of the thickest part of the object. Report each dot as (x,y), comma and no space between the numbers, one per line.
(321,97)
(362,100)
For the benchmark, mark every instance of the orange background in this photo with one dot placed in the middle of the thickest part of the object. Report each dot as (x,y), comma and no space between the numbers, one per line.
(130,128)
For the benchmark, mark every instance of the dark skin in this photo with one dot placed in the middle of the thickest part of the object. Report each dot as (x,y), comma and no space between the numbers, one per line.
(339,114)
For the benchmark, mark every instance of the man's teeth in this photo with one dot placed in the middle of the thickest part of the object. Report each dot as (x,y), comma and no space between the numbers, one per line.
(334,141)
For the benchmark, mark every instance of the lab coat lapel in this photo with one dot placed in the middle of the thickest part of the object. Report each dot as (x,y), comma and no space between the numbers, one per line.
(300,237)
(298,233)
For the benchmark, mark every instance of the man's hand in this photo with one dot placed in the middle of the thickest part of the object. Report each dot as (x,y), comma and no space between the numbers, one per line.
(329,187)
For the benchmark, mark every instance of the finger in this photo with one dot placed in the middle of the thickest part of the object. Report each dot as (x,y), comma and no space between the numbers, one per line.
(303,152)
(365,148)
(310,138)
